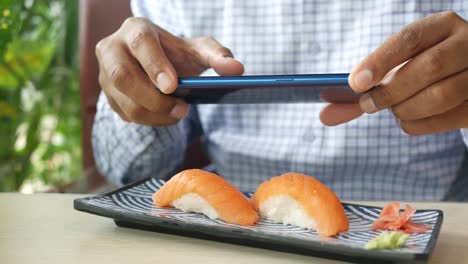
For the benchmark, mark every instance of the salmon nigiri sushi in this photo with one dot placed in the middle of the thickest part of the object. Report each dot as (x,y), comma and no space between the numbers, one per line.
(207,193)
(301,200)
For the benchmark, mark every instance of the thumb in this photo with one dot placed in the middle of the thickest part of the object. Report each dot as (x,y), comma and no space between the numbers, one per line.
(212,54)
(335,114)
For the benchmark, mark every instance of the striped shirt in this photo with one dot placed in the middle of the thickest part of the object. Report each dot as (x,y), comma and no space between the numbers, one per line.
(369,158)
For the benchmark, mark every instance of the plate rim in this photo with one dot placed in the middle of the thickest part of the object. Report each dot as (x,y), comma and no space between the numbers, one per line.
(315,247)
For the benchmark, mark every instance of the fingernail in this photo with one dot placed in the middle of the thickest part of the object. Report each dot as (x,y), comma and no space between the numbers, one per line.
(163,81)
(363,80)
(180,110)
(228,59)
(367,104)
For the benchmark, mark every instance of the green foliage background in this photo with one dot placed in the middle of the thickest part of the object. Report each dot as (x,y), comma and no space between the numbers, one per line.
(40,123)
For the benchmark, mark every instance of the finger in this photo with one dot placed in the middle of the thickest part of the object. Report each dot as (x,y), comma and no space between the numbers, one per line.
(143,43)
(125,75)
(451,120)
(335,114)
(435,99)
(212,54)
(402,46)
(430,66)
(138,114)
(104,83)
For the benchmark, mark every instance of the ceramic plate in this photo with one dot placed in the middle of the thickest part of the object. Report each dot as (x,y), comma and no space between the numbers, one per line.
(132,206)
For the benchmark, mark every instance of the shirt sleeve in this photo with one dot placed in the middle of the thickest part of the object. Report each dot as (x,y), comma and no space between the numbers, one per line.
(126,152)
(464,133)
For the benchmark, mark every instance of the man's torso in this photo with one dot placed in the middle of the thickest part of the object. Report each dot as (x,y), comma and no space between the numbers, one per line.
(368,158)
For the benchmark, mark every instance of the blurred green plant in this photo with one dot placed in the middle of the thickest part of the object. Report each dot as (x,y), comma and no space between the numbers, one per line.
(40,124)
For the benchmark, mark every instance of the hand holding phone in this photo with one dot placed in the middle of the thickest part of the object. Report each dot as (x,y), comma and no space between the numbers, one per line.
(140,56)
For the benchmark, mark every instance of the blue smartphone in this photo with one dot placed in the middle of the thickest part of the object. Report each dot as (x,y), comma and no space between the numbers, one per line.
(258,89)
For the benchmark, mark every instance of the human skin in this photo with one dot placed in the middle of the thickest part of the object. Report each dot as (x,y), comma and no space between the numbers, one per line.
(141,55)
(420,74)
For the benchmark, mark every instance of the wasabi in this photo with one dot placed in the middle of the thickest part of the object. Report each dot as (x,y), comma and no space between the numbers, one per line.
(388,240)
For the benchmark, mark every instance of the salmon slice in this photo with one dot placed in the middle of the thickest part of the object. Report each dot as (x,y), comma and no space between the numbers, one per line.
(301,200)
(390,218)
(207,193)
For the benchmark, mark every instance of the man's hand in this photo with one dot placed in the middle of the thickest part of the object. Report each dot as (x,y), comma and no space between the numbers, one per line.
(419,73)
(141,55)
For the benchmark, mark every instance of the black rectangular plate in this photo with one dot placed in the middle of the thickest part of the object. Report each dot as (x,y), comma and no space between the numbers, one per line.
(231,234)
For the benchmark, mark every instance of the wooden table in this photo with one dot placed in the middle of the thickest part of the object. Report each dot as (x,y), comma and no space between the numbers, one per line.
(44,228)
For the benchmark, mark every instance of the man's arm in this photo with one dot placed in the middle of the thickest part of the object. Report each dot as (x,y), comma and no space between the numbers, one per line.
(419,73)
(126,152)
(140,130)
